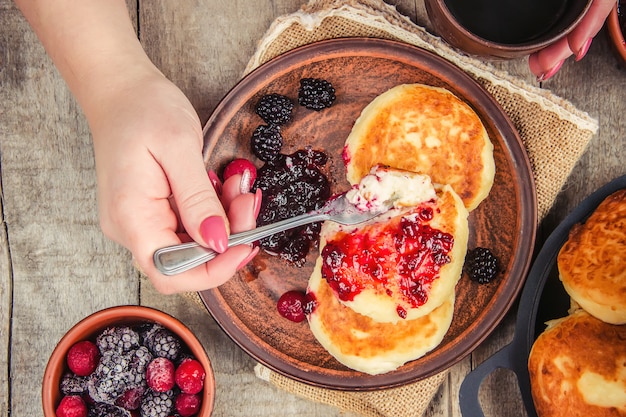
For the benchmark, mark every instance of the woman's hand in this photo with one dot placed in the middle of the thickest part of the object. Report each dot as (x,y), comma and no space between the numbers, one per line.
(547,62)
(153,185)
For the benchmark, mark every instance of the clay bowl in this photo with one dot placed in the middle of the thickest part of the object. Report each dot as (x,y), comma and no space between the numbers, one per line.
(504,28)
(89,327)
(616,35)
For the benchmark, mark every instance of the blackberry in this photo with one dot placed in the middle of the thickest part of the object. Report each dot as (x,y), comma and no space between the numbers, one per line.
(73,384)
(108,410)
(139,360)
(267,142)
(274,109)
(163,343)
(109,380)
(316,94)
(157,404)
(118,339)
(481,265)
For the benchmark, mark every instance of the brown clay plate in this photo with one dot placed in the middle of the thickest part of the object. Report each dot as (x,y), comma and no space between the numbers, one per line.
(360,69)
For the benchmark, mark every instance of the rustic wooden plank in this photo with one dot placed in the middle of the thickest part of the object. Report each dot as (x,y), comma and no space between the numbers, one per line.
(62,266)
(6,295)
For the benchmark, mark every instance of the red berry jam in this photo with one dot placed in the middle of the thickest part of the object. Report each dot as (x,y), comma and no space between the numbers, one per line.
(295,305)
(406,249)
(292,185)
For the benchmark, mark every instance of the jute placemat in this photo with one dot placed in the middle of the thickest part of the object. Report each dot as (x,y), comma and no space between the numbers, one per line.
(554,133)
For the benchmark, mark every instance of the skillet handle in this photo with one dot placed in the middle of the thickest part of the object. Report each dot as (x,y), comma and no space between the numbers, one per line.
(508,357)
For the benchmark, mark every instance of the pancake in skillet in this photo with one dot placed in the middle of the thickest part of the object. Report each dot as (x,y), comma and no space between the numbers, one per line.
(405,263)
(577,367)
(423,129)
(364,345)
(592,263)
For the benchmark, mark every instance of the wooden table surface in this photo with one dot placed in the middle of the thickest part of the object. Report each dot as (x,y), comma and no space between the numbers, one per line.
(56,267)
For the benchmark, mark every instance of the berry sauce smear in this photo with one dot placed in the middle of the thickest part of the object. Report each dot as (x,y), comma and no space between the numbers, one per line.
(292,185)
(402,255)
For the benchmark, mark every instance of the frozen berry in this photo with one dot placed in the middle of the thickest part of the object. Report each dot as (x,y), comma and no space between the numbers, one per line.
(274,109)
(131,399)
(108,410)
(267,142)
(73,384)
(190,376)
(481,265)
(160,375)
(119,339)
(83,357)
(157,404)
(72,406)
(188,405)
(292,305)
(239,166)
(316,94)
(162,342)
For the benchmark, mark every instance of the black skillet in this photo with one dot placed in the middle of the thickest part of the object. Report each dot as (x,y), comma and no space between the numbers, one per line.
(543,298)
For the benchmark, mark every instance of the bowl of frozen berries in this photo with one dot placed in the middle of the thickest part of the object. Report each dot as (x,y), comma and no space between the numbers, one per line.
(128,361)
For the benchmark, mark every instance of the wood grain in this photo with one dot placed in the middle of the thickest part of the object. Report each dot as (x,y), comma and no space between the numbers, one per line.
(56,267)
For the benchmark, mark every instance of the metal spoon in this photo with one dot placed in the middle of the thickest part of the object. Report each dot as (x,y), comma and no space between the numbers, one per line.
(175,259)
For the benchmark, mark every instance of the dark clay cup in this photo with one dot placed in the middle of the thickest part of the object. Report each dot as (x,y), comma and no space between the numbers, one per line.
(504,28)
(616,24)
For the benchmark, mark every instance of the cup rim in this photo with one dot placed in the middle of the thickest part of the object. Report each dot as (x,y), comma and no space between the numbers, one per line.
(511,47)
(85,328)
(615,33)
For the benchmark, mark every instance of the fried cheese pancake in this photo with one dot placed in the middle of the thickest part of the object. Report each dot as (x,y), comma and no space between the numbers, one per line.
(592,263)
(400,265)
(364,345)
(577,367)
(424,129)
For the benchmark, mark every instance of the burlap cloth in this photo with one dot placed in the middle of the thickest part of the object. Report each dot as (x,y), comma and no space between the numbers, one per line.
(554,132)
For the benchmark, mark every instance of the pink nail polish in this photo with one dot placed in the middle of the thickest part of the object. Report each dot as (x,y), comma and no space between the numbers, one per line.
(248,258)
(258,197)
(215,180)
(547,75)
(213,231)
(583,49)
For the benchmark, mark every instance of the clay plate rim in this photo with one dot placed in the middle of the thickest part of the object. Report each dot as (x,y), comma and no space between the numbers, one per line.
(514,180)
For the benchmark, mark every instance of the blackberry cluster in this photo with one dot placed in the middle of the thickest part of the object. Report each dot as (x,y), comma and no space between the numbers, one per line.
(163,343)
(73,384)
(481,265)
(292,185)
(316,94)
(275,109)
(108,410)
(267,142)
(119,339)
(157,404)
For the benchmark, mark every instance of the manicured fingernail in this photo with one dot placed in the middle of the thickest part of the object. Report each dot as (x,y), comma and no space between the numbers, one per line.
(258,197)
(213,231)
(215,180)
(547,75)
(246,183)
(248,258)
(583,49)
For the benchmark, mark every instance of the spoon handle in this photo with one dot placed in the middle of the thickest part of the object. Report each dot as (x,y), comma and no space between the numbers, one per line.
(175,259)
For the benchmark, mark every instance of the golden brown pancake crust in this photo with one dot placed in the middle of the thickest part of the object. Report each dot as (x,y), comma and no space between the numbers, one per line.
(592,263)
(427,130)
(578,368)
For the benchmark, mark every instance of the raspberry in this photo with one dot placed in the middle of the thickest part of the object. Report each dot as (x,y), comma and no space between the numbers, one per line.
(267,142)
(160,375)
(190,376)
(187,405)
(292,305)
(274,109)
(162,342)
(131,399)
(83,357)
(316,94)
(157,404)
(72,406)
(481,265)
(238,166)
